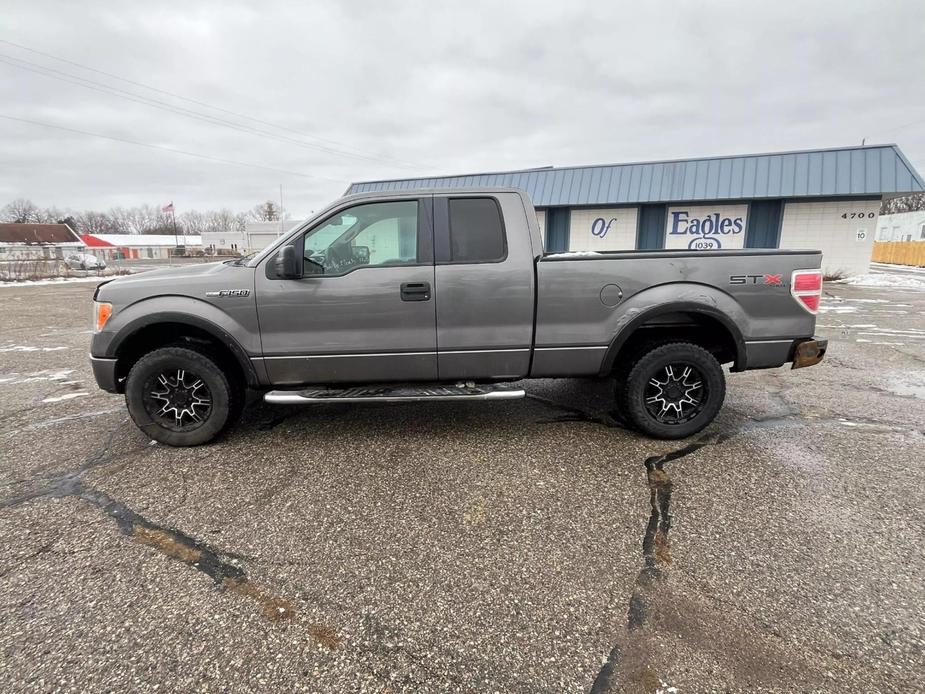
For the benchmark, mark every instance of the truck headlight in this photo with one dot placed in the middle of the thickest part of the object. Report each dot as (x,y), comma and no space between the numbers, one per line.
(101,313)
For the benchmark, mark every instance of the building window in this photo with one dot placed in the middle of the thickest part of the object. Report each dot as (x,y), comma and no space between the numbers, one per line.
(922,235)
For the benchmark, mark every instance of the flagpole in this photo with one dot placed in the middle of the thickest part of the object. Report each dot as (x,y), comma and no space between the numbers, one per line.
(173,216)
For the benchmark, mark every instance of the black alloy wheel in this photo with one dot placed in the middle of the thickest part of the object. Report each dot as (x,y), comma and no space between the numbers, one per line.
(181,397)
(676,394)
(178,400)
(672,390)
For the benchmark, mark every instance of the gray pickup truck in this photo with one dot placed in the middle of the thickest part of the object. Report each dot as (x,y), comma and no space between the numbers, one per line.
(447,295)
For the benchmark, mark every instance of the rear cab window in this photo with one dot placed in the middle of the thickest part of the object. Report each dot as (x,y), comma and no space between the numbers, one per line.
(476,231)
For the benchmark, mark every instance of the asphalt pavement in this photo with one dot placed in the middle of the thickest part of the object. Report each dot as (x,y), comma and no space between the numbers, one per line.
(526,546)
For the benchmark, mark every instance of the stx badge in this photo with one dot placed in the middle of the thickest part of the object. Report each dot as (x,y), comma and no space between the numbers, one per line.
(768,280)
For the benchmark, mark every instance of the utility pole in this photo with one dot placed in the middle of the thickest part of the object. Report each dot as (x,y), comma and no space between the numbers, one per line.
(280,215)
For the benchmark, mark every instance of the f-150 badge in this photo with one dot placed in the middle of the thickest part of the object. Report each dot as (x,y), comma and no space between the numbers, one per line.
(230,292)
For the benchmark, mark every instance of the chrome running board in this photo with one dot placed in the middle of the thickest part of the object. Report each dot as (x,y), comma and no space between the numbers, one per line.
(307,396)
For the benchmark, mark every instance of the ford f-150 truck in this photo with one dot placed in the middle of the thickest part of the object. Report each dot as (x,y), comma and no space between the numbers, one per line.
(447,295)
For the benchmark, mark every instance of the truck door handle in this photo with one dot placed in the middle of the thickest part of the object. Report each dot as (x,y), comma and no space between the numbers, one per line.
(415,291)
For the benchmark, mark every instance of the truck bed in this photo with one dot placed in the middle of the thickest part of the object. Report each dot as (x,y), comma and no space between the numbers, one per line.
(585,298)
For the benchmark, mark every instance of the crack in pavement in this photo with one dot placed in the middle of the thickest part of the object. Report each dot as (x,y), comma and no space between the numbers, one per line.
(170,542)
(656,549)
(656,546)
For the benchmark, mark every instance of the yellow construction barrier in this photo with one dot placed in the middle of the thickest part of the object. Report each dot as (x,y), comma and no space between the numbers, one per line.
(899,252)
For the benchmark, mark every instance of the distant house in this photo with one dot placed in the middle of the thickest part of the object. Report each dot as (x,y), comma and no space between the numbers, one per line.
(139,246)
(38,241)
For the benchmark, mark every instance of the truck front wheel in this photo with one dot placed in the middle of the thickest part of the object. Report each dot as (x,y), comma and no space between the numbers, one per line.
(178,396)
(673,391)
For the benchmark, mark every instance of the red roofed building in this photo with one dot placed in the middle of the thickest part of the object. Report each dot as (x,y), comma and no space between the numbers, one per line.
(139,246)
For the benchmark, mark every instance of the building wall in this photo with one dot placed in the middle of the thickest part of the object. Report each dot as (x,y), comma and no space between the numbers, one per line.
(258,240)
(603,229)
(35,251)
(703,227)
(902,226)
(223,239)
(842,230)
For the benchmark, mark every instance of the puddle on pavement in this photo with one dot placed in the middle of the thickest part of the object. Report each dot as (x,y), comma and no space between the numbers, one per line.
(909,384)
(575,414)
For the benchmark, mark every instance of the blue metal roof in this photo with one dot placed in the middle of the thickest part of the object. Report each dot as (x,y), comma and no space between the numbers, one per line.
(849,171)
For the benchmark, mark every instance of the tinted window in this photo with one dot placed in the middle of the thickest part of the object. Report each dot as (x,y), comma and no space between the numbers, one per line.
(476,231)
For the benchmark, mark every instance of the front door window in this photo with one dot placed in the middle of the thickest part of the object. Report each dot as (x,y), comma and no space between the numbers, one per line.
(372,235)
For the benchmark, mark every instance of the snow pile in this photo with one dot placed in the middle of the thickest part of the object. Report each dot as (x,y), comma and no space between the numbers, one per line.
(885,280)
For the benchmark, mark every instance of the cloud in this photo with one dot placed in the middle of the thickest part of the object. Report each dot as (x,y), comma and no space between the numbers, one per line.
(421,88)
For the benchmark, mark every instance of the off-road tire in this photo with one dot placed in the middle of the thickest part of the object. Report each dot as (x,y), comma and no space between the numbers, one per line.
(632,392)
(222,395)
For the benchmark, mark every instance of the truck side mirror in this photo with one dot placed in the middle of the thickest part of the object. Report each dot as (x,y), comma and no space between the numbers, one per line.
(287,264)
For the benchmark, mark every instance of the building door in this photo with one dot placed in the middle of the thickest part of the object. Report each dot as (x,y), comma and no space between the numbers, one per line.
(363,310)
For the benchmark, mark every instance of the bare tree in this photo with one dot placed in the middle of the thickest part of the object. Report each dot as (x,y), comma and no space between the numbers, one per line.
(91,222)
(143,219)
(267,211)
(21,211)
(908,203)
(193,221)
(221,220)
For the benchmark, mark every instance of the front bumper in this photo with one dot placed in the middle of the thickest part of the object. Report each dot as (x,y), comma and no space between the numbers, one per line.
(104,371)
(809,352)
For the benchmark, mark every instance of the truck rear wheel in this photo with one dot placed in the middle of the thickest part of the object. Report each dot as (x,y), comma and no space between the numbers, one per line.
(179,396)
(673,391)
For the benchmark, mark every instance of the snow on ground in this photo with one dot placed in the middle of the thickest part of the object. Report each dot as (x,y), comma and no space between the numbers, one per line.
(66,396)
(887,267)
(47,375)
(26,348)
(885,280)
(52,280)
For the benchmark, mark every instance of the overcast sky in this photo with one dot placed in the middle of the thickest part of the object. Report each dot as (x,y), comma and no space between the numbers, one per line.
(358,91)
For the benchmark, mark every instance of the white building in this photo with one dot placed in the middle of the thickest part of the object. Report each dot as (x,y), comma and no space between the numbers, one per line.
(256,236)
(902,226)
(827,199)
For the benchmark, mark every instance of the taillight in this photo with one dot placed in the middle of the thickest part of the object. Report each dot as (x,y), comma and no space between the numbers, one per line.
(806,288)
